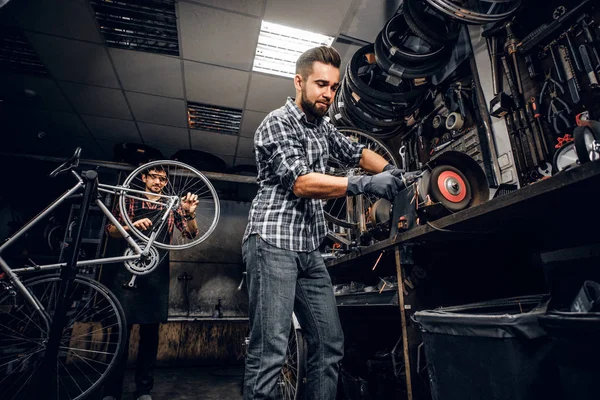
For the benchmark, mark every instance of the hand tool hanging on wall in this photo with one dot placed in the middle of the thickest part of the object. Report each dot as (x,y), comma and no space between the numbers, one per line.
(510,48)
(535,111)
(587,66)
(492,43)
(515,144)
(536,134)
(571,78)
(556,61)
(573,50)
(588,34)
(519,116)
(556,114)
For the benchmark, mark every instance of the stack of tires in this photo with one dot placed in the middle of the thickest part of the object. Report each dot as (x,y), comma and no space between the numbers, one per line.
(386,82)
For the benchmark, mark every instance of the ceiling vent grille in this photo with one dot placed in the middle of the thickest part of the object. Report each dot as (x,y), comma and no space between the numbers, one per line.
(211,118)
(143,25)
(17,55)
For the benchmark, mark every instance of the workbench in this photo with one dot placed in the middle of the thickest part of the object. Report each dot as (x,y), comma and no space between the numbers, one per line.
(485,252)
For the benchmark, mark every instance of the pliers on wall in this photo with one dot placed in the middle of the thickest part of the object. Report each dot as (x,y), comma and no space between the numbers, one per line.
(556,114)
(556,85)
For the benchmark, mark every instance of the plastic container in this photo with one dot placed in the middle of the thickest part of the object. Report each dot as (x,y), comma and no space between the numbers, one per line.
(576,353)
(492,350)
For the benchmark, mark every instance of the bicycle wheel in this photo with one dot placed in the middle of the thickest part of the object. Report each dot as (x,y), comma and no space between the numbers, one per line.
(91,341)
(293,374)
(174,180)
(337,211)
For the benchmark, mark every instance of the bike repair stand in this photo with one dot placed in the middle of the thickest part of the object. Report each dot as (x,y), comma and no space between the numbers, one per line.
(47,371)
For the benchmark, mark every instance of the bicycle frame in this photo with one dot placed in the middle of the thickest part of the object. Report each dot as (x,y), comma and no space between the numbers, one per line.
(14,273)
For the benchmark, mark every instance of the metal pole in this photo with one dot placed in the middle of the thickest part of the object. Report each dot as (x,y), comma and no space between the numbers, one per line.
(403,322)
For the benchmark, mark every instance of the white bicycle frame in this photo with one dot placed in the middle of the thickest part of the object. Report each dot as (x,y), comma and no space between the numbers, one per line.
(14,273)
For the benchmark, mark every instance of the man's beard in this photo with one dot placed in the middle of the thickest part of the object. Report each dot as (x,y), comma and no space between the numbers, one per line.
(311,108)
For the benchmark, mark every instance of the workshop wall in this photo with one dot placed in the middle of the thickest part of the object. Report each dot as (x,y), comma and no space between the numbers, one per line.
(210,273)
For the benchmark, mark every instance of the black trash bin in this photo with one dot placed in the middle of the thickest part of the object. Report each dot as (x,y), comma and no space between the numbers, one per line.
(577,352)
(492,350)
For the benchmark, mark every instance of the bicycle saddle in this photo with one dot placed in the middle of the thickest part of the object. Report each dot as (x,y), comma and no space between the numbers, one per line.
(72,162)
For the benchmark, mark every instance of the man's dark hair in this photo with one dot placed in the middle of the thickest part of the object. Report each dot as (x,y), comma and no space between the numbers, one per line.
(323,54)
(155,168)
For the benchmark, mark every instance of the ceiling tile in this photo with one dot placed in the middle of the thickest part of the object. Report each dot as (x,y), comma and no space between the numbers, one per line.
(112,129)
(69,18)
(160,110)
(148,73)
(45,132)
(41,92)
(368,18)
(95,100)
(250,121)
(245,148)
(217,37)
(71,60)
(57,123)
(212,142)
(252,7)
(165,136)
(310,15)
(268,92)
(245,161)
(215,85)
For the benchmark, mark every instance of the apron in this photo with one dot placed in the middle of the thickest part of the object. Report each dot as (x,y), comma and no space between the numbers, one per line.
(149,301)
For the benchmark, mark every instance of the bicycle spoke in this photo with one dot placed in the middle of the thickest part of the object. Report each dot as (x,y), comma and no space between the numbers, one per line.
(24,383)
(58,361)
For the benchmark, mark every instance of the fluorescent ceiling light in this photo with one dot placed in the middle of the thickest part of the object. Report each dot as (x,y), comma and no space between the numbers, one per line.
(280,46)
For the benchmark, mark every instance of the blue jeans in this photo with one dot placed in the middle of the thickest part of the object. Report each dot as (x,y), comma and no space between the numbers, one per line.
(281,282)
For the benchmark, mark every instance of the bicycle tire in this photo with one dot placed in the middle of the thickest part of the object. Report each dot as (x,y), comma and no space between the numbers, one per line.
(292,378)
(182,179)
(417,17)
(469,16)
(84,361)
(335,210)
(585,138)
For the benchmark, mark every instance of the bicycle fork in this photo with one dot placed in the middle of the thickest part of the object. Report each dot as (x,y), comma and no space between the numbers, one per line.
(67,276)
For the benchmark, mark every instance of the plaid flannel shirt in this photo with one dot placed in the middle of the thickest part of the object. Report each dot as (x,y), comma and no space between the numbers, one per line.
(287,146)
(137,209)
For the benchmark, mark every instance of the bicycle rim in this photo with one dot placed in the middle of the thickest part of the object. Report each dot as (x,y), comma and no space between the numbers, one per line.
(293,374)
(91,343)
(337,211)
(182,179)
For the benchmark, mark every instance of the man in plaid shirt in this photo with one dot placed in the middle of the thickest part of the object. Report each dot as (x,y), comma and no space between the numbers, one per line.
(147,305)
(286,272)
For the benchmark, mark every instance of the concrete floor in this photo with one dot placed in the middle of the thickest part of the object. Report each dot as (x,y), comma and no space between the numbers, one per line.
(194,383)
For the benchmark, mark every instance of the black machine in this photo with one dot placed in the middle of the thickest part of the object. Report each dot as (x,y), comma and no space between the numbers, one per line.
(451,182)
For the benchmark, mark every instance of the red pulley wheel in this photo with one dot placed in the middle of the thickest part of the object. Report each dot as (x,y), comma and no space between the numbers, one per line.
(449,186)
(452,186)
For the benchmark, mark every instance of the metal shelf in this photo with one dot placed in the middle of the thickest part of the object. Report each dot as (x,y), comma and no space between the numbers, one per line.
(538,213)
(385,298)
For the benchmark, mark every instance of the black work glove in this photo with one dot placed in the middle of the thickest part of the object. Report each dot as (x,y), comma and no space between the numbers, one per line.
(407,177)
(384,184)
